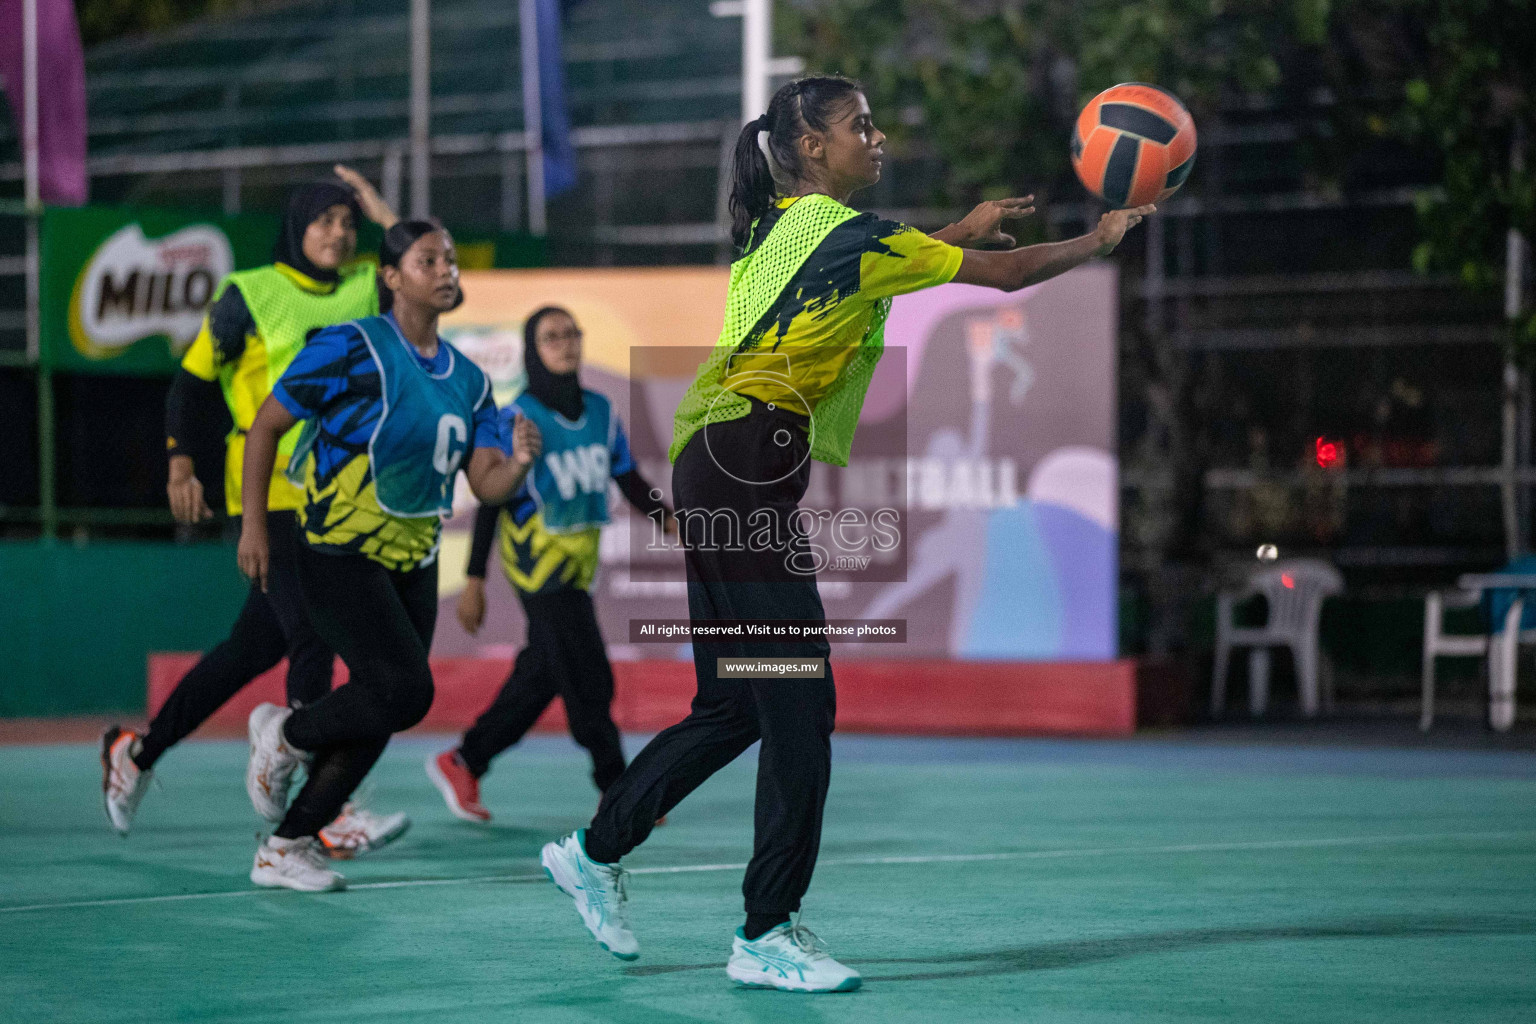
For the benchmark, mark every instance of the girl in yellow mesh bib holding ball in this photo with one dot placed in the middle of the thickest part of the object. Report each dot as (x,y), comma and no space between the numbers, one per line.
(804,324)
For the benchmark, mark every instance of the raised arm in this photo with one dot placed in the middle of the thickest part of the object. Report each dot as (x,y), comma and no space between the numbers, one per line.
(373,205)
(1020,268)
(983,226)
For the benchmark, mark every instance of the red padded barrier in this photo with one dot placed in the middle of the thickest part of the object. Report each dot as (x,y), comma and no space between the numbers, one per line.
(953,698)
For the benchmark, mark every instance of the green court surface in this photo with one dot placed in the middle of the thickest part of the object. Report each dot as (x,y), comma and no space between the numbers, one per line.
(968,880)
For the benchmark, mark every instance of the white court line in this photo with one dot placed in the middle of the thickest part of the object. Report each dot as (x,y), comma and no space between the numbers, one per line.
(831,862)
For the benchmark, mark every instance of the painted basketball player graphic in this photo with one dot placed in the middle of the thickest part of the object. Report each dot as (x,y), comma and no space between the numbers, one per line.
(1000,338)
(957,545)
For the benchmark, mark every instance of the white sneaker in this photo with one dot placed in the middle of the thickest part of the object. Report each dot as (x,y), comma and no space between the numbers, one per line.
(358,830)
(122,784)
(273,761)
(294,864)
(599,892)
(789,957)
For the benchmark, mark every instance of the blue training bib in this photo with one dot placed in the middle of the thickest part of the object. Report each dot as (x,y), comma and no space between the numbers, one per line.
(424,413)
(569,482)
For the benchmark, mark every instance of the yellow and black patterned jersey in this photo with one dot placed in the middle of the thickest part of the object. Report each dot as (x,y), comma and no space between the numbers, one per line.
(229,342)
(336,382)
(815,326)
(548,532)
(537,561)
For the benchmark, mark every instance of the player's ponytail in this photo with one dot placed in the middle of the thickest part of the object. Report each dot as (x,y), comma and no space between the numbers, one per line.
(767,157)
(752,185)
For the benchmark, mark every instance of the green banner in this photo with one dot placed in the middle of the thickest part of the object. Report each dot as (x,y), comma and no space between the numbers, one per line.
(124,289)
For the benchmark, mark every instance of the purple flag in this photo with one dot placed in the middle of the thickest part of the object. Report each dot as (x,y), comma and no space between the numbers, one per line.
(60,98)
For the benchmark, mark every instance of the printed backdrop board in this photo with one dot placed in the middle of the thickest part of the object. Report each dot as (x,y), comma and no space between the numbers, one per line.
(1002,409)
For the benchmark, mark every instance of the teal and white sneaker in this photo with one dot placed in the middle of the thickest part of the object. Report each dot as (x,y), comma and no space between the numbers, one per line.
(599,892)
(790,958)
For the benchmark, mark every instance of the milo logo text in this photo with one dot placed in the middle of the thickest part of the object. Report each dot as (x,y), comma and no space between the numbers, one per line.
(134,288)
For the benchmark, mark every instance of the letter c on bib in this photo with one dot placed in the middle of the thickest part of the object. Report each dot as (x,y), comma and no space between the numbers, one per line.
(452,439)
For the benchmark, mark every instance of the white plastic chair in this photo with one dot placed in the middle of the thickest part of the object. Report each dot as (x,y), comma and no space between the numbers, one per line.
(1502,650)
(1440,644)
(1293,592)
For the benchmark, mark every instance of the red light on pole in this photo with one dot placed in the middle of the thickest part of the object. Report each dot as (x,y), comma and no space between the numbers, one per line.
(1327,452)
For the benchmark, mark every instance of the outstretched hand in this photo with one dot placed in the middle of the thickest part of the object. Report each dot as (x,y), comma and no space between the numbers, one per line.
(983,225)
(373,204)
(1114,224)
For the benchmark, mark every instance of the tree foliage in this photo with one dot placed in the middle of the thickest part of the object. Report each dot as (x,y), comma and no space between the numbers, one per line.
(1465,71)
(993,85)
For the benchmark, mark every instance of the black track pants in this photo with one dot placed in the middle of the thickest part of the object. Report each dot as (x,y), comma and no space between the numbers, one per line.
(381,624)
(269,626)
(564,657)
(793,718)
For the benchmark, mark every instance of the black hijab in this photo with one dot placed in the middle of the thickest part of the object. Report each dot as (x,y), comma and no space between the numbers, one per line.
(558,391)
(305,206)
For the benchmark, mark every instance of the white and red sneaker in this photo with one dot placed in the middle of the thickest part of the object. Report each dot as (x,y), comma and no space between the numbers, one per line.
(358,830)
(273,761)
(122,783)
(460,788)
(294,864)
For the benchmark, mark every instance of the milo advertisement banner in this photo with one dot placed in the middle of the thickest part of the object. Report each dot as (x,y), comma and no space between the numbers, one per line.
(124,290)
